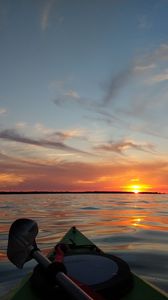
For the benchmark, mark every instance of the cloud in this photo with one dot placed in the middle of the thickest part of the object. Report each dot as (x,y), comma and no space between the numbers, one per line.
(72,94)
(3,111)
(6,178)
(68,96)
(111,89)
(46,14)
(21,125)
(69,134)
(124,145)
(41,129)
(143,68)
(152,59)
(161,53)
(109,118)
(13,135)
(150,63)
(142,65)
(116,84)
(59,135)
(140,100)
(128,93)
(77,176)
(3,157)
(158,77)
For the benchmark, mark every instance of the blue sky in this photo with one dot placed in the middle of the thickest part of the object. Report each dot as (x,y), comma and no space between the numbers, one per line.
(83,94)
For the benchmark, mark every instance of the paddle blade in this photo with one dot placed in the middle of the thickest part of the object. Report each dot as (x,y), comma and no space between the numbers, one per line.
(21,241)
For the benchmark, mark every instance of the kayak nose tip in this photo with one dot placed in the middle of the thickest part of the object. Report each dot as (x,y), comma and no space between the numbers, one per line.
(74,229)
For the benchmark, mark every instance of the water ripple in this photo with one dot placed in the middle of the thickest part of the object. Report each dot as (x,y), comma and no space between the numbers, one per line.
(132,226)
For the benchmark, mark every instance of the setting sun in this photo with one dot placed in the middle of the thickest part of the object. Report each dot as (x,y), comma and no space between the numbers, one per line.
(137,188)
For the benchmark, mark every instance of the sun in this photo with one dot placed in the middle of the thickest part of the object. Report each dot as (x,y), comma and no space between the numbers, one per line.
(135,186)
(136,189)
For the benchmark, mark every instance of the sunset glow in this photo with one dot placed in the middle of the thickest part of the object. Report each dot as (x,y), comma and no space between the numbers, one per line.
(137,188)
(79,100)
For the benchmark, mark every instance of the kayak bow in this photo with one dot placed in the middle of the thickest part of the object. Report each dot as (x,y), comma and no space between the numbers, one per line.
(87,265)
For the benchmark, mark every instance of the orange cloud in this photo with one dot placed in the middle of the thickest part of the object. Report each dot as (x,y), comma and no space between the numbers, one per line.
(11,179)
(79,176)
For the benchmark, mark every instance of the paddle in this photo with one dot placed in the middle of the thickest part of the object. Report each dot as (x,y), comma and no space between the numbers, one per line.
(22,247)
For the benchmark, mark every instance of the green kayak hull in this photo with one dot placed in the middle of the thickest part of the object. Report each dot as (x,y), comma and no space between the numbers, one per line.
(141,288)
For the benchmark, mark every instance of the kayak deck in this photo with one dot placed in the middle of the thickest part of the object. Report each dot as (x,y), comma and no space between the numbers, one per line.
(141,287)
(79,244)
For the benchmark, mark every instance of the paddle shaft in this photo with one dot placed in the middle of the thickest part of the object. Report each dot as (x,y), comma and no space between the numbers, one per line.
(62,279)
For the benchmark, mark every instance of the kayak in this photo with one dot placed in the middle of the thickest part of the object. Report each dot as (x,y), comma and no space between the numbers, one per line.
(106,274)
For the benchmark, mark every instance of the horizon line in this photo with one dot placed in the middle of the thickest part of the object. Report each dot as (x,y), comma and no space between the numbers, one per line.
(78,192)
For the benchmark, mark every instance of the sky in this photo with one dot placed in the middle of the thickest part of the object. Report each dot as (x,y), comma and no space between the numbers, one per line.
(84,95)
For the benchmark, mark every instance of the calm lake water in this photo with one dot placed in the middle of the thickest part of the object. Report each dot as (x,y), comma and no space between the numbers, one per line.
(132,226)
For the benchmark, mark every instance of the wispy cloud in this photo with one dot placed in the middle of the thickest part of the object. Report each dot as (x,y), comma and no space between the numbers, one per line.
(3,157)
(139,102)
(46,13)
(6,178)
(151,62)
(111,88)
(3,111)
(21,125)
(144,72)
(157,78)
(152,59)
(143,68)
(42,129)
(116,84)
(122,146)
(60,135)
(154,69)
(76,176)
(13,135)
(161,53)
(74,99)
(68,96)
(68,134)
(72,94)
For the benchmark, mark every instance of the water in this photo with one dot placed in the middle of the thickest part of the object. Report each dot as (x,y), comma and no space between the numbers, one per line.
(132,225)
